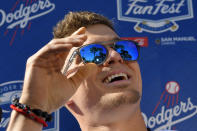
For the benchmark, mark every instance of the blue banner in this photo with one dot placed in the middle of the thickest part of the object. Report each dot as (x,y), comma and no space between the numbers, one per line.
(168,60)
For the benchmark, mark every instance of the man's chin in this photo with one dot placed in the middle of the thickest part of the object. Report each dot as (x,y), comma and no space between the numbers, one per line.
(115,100)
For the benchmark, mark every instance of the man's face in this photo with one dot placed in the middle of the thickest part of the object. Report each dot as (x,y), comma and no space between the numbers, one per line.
(100,98)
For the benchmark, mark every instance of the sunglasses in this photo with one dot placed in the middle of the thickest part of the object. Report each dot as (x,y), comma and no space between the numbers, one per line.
(98,52)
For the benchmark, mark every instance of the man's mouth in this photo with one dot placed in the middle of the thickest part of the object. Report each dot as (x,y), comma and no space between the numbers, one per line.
(116,77)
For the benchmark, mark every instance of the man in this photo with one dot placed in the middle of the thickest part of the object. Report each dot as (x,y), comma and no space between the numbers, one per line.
(102,90)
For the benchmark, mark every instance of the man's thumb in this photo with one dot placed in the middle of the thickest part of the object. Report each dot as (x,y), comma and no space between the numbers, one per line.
(80,73)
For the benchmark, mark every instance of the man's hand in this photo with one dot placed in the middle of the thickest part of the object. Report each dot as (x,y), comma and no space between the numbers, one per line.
(45,87)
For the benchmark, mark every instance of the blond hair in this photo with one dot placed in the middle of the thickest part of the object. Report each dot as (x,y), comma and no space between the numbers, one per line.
(74,20)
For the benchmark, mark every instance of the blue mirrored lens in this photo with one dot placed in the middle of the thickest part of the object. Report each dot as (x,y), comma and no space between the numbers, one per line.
(93,53)
(127,49)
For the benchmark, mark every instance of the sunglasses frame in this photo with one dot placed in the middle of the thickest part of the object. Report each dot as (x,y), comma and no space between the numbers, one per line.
(77,51)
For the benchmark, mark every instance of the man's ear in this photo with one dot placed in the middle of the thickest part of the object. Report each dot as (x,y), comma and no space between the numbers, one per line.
(73,108)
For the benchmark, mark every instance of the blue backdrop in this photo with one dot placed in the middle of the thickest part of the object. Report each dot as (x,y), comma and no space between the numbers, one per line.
(168,60)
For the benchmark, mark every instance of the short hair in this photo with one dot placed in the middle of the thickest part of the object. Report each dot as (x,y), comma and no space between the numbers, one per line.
(74,20)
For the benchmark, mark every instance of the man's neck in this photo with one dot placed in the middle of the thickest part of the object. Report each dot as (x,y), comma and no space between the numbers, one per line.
(136,123)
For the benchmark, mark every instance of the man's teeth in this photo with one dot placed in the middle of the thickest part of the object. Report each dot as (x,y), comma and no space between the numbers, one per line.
(109,78)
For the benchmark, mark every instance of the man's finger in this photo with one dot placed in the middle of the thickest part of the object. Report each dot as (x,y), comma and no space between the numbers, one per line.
(74,40)
(79,74)
(80,31)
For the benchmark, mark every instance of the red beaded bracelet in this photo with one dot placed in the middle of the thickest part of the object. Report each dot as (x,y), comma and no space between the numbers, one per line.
(29,114)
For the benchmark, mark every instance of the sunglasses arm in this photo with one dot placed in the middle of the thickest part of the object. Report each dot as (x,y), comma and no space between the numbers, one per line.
(69,62)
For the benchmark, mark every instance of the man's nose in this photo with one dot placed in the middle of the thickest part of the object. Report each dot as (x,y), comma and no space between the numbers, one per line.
(113,57)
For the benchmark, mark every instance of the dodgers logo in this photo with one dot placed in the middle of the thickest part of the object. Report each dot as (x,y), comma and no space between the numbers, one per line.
(155,16)
(172,112)
(9,91)
(21,15)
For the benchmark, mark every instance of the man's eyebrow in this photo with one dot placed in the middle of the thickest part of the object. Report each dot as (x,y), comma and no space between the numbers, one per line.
(110,41)
(113,39)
